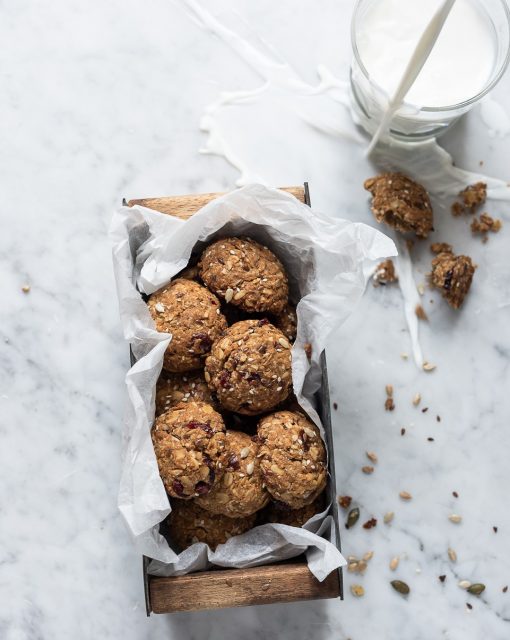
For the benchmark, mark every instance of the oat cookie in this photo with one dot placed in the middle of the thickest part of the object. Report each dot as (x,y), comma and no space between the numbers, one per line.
(189,443)
(401,203)
(279,512)
(173,388)
(192,315)
(453,276)
(188,523)
(250,367)
(246,274)
(286,321)
(240,491)
(292,458)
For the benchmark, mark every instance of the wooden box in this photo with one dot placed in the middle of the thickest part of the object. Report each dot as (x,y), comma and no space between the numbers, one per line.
(287,581)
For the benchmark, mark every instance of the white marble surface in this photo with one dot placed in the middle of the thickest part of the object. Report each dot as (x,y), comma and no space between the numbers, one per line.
(103,100)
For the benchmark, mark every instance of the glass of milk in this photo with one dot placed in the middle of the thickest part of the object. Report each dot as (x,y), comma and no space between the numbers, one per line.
(469,57)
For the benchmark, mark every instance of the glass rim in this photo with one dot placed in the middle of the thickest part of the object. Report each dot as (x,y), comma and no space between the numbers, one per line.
(460,105)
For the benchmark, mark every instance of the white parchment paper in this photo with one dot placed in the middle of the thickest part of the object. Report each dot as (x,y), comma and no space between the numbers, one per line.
(327,261)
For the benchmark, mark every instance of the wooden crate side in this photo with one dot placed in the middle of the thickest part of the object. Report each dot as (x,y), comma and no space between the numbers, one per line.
(240,588)
(185,206)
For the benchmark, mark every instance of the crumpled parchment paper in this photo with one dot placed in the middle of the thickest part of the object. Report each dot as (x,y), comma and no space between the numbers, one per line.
(327,261)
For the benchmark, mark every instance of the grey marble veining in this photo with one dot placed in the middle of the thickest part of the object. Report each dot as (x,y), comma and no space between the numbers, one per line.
(103,100)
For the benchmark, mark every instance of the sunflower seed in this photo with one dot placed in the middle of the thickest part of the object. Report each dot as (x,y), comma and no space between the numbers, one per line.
(417,399)
(371,456)
(389,390)
(452,555)
(284,343)
(455,518)
(394,563)
(464,584)
(244,453)
(229,294)
(25,288)
(249,468)
(367,469)
(405,495)
(401,587)
(388,517)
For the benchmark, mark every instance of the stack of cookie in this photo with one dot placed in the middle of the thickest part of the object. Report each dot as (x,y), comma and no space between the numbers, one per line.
(229,364)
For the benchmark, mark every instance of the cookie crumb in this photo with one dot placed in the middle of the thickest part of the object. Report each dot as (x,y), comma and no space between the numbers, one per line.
(344,501)
(401,203)
(385,273)
(453,275)
(389,405)
(369,524)
(485,224)
(474,195)
(441,247)
(457,209)
(308,350)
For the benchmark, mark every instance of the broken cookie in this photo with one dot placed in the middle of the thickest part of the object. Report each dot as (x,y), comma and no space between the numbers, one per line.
(401,203)
(452,275)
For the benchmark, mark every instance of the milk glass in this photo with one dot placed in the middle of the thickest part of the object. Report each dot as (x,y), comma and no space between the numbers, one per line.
(415,122)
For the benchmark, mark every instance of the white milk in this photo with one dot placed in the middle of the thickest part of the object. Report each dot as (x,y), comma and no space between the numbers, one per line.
(459,65)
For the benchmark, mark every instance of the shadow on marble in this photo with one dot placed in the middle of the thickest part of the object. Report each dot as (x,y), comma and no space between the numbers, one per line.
(300,620)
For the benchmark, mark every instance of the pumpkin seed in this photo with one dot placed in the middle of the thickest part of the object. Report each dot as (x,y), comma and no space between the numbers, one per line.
(476,589)
(352,517)
(401,587)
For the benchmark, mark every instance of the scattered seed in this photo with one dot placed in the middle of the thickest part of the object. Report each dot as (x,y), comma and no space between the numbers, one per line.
(425,409)
(452,555)
(464,584)
(344,501)
(404,356)
(402,431)
(388,517)
(352,518)
(428,366)
(420,312)
(371,456)
(401,587)
(476,589)
(357,590)
(368,556)
(504,589)
(352,567)
(438,418)
(389,390)
(405,495)
(417,399)
(455,518)
(430,439)
(394,563)
(389,405)
(335,406)
(229,294)
(369,524)
(352,559)
(455,494)
(495,529)
(362,566)
(367,469)
(442,578)
(421,288)
(25,288)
